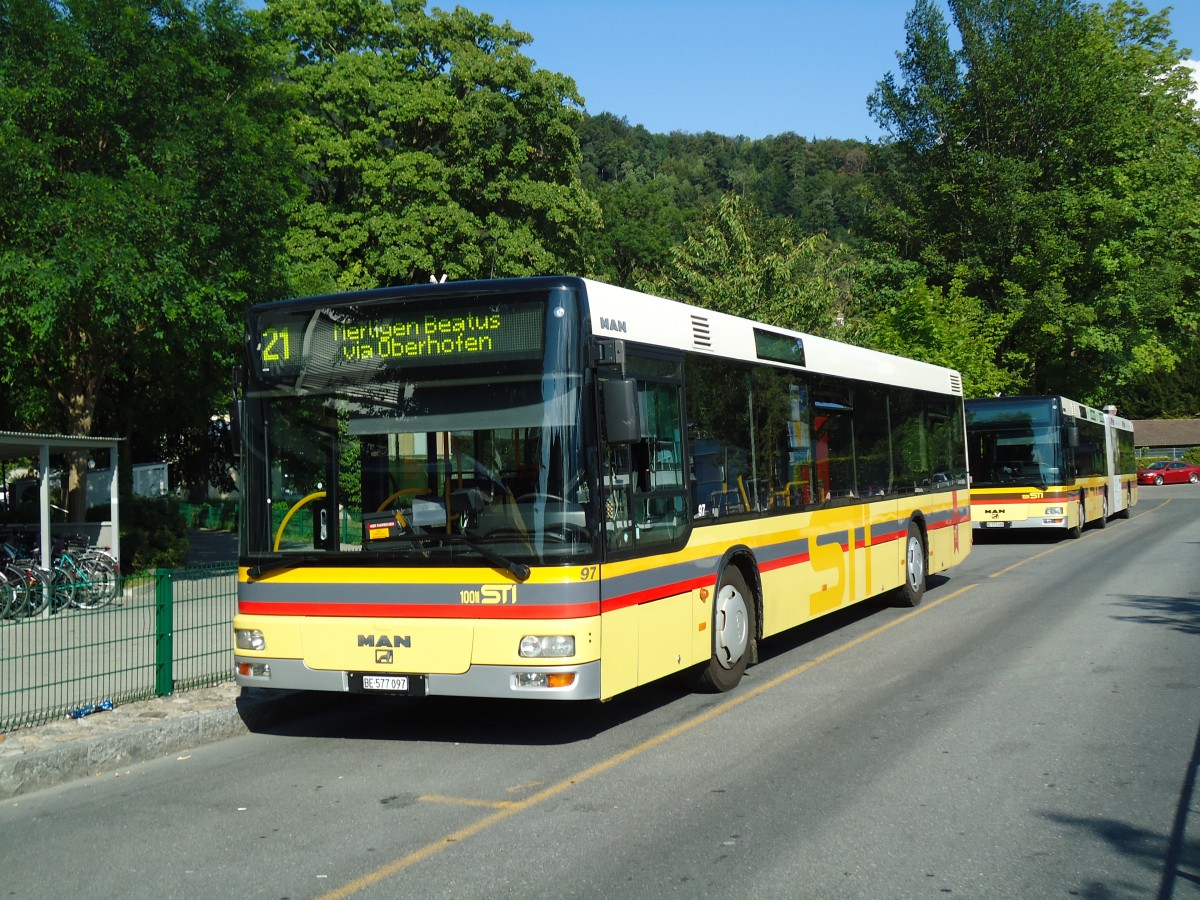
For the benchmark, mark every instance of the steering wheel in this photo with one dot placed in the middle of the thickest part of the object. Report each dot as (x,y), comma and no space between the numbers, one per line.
(568,533)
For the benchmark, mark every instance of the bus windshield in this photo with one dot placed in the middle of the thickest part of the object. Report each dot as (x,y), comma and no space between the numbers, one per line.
(370,445)
(1014,443)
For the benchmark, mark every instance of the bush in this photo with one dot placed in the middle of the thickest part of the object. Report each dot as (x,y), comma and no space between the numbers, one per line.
(153,533)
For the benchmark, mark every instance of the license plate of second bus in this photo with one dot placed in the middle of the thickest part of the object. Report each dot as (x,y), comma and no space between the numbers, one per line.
(385,682)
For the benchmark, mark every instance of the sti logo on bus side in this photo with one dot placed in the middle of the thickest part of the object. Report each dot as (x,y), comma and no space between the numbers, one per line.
(383,640)
(491,595)
(617,325)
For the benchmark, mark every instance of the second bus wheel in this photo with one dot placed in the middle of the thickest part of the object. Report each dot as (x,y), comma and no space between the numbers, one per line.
(913,588)
(733,632)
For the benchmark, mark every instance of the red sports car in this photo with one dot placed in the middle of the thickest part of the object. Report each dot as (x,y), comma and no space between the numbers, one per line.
(1169,471)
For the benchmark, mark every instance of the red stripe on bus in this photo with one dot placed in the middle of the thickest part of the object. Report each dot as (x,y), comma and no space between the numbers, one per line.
(783,562)
(1012,498)
(657,592)
(417,611)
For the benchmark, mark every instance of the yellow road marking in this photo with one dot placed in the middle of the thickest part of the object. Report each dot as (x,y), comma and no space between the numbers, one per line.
(509,809)
(464,801)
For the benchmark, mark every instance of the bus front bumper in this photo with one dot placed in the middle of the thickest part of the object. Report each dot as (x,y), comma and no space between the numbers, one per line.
(519,682)
(1031,522)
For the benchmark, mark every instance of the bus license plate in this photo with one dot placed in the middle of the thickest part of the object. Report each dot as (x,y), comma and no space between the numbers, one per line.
(385,682)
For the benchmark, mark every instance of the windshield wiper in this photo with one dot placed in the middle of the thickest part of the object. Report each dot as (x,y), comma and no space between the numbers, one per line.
(519,571)
(284,562)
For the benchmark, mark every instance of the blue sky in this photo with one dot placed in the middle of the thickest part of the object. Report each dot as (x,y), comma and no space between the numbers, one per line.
(751,68)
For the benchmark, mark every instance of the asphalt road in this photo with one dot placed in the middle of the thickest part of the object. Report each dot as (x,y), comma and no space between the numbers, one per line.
(1030,731)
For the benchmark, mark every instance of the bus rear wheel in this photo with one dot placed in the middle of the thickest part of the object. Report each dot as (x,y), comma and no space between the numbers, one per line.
(733,632)
(913,588)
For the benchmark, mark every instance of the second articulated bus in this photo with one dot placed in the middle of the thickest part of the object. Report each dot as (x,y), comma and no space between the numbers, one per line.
(1048,462)
(556,488)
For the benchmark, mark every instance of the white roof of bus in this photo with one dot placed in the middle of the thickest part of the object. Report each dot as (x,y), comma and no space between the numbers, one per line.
(633,316)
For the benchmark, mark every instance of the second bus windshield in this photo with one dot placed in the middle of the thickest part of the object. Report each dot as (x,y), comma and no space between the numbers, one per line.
(1018,442)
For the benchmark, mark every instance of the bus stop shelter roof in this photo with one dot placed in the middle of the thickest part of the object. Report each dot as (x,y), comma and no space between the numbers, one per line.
(19,444)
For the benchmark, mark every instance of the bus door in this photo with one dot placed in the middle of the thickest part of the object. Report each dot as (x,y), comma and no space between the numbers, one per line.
(644,487)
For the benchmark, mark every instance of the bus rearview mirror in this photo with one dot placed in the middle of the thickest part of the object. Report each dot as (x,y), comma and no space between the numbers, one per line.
(622,423)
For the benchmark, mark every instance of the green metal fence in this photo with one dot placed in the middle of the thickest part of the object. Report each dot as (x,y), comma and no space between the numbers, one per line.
(164,632)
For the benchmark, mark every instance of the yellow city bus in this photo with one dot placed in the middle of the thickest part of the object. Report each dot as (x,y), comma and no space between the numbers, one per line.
(1048,462)
(556,488)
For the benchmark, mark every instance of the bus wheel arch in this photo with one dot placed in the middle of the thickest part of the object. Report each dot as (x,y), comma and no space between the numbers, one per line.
(1076,530)
(916,563)
(734,625)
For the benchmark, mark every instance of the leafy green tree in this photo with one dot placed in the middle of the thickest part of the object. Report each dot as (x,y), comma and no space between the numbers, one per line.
(144,171)
(654,190)
(1167,395)
(429,145)
(742,264)
(947,327)
(1050,166)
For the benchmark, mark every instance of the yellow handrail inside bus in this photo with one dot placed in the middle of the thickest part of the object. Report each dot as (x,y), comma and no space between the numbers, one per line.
(401,493)
(291,512)
(742,492)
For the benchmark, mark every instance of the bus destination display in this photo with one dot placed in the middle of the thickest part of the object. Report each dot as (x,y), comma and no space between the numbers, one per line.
(329,343)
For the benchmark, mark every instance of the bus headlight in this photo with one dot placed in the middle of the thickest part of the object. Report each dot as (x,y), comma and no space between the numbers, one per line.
(249,639)
(542,646)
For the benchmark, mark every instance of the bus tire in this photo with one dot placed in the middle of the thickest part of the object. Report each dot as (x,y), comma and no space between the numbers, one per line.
(1077,529)
(733,633)
(915,568)
(1103,514)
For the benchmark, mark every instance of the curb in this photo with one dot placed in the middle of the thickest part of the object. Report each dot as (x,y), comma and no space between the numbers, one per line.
(146,740)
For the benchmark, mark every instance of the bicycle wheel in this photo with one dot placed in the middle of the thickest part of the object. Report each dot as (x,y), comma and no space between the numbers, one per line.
(7,596)
(62,588)
(98,582)
(33,591)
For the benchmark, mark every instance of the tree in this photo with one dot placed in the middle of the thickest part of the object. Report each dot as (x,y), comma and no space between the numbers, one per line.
(744,265)
(429,145)
(1051,166)
(946,327)
(144,171)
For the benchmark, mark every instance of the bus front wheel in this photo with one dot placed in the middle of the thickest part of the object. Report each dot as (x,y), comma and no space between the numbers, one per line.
(913,588)
(1077,529)
(733,632)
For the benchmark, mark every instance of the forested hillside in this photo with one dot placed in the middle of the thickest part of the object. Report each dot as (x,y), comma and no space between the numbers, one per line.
(1032,216)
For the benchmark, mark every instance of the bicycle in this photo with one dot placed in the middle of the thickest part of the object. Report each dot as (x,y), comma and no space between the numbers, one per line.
(91,572)
(28,582)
